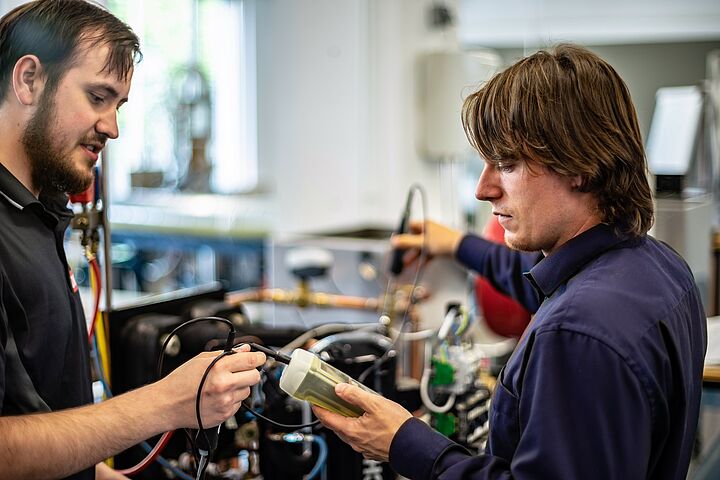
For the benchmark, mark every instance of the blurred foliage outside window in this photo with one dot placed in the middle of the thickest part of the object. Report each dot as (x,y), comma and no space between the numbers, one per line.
(190,123)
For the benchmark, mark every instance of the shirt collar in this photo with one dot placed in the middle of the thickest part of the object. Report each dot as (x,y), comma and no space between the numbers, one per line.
(559,267)
(14,191)
(52,209)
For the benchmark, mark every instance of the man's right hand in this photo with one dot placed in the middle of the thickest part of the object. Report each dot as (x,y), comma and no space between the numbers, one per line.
(77,438)
(439,239)
(226,386)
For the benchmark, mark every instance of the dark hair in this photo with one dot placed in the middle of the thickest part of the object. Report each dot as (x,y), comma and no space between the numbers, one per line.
(55,30)
(569,110)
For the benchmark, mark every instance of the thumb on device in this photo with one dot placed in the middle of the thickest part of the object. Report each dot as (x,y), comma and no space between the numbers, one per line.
(355,395)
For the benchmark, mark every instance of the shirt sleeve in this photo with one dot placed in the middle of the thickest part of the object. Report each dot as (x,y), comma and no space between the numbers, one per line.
(582,414)
(418,452)
(502,266)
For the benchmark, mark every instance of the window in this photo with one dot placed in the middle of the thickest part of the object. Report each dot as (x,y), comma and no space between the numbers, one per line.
(190,124)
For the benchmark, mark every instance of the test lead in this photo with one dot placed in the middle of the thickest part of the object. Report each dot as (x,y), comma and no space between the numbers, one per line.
(280,357)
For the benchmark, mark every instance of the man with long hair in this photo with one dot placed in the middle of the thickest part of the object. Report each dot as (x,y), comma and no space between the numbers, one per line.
(606,380)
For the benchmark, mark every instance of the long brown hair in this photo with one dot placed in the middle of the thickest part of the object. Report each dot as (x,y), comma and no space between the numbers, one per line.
(56,30)
(569,110)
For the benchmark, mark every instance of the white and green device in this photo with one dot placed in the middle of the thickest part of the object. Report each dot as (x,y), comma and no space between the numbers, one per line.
(308,378)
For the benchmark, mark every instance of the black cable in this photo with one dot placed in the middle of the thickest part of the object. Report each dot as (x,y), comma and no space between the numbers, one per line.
(209,444)
(161,357)
(278,424)
(396,259)
(199,394)
(380,360)
(418,274)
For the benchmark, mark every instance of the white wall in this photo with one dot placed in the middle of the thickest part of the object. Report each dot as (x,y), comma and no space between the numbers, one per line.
(337,110)
(311,127)
(610,22)
(338,116)
(7,5)
(647,67)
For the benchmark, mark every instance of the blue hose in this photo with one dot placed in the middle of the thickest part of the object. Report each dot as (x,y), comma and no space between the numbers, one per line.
(322,457)
(161,460)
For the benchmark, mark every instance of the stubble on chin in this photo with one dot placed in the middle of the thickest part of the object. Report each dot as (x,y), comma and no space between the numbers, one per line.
(520,244)
(52,169)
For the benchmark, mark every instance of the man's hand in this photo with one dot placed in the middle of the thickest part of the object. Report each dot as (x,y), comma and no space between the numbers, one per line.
(226,386)
(372,433)
(75,439)
(437,238)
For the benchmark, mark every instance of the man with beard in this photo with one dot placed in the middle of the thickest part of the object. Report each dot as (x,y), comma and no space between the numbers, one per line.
(606,379)
(65,69)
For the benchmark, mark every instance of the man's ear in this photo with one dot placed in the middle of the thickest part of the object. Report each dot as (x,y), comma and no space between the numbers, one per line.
(27,79)
(576,182)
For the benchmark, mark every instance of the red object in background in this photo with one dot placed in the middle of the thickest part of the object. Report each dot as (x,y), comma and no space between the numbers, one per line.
(84,197)
(503,314)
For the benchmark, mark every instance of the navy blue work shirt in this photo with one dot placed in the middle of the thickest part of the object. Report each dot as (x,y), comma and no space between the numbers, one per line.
(606,381)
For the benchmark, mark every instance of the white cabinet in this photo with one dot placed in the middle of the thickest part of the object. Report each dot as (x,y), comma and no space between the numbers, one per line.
(517,23)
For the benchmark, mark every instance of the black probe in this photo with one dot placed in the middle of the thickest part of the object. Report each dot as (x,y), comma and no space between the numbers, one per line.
(397,263)
(280,357)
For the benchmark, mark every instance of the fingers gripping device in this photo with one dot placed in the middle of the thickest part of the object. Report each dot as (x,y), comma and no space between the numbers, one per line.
(309,378)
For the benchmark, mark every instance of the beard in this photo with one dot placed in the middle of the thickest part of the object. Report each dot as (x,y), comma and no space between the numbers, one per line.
(52,169)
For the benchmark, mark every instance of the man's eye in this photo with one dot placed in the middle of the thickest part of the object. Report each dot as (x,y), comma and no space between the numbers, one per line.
(96,99)
(505,166)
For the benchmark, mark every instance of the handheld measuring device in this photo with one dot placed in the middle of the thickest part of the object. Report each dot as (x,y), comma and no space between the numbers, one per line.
(308,378)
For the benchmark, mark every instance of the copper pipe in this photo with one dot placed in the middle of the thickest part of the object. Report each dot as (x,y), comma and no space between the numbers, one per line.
(304,298)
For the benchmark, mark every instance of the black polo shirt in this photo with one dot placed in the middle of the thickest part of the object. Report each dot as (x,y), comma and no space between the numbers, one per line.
(44,357)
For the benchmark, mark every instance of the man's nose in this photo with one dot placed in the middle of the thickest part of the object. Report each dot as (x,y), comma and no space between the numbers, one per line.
(108,125)
(488,187)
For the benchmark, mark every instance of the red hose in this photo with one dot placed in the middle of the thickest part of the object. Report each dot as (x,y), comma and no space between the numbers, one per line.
(129,472)
(160,445)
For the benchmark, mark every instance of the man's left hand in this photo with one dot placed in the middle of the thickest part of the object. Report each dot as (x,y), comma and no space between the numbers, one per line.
(372,433)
